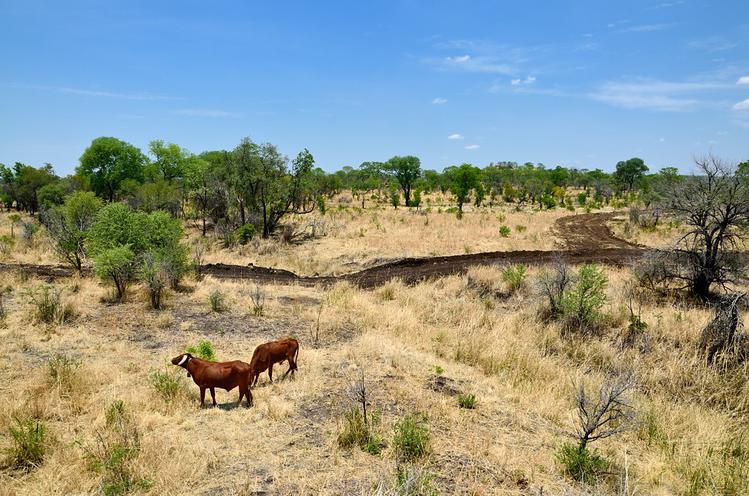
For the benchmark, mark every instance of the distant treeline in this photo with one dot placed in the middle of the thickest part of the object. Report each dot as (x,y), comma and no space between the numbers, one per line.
(255,185)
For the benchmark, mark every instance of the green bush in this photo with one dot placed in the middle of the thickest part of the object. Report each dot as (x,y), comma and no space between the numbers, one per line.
(581,464)
(411,439)
(582,198)
(217,299)
(63,372)
(29,443)
(504,231)
(203,350)
(68,226)
(357,432)
(581,303)
(467,401)
(167,385)
(48,305)
(115,452)
(154,273)
(514,277)
(117,265)
(245,233)
(547,201)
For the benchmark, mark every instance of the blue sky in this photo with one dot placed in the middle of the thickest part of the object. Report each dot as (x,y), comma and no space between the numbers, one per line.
(580,84)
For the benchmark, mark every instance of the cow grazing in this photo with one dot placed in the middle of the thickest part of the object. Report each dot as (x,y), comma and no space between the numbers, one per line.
(211,375)
(268,354)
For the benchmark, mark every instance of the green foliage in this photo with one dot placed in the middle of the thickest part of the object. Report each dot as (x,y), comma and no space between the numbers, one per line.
(217,299)
(416,199)
(581,303)
(320,201)
(116,264)
(115,453)
(462,180)
(203,350)
(521,228)
(48,305)
(406,171)
(357,432)
(504,231)
(581,464)
(467,401)
(395,199)
(411,438)
(629,173)
(6,244)
(107,162)
(438,370)
(29,443)
(68,225)
(547,201)
(167,385)
(514,277)
(582,198)
(245,233)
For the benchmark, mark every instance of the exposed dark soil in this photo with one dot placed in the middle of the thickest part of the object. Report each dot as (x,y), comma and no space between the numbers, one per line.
(586,237)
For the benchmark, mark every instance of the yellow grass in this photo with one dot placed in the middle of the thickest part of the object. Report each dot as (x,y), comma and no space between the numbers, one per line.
(519,367)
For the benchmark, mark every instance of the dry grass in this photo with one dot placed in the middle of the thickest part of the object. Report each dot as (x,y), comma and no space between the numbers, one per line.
(688,438)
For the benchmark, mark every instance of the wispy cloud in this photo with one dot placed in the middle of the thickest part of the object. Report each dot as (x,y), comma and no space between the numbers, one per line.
(653,94)
(472,147)
(742,105)
(743,80)
(455,136)
(648,28)
(95,93)
(666,5)
(713,44)
(467,63)
(205,113)
(439,101)
(521,82)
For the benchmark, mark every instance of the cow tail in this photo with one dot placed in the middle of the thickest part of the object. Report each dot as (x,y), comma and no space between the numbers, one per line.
(296,355)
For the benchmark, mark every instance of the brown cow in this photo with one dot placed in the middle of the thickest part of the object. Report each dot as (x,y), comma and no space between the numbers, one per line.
(211,375)
(267,354)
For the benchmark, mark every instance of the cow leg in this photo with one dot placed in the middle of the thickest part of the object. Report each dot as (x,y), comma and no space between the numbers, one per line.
(241,394)
(202,396)
(213,396)
(270,373)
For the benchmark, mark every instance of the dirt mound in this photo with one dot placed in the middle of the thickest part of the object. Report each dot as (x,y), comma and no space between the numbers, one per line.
(586,236)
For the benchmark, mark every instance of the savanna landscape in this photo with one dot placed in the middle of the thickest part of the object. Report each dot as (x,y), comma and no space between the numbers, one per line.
(384,248)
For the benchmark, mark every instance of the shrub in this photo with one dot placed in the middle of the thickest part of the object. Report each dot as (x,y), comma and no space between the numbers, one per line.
(217,299)
(257,296)
(154,273)
(320,201)
(581,464)
(581,303)
(411,439)
(245,233)
(49,307)
(521,228)
(582,198)
(6,244)
(63,372)
(28,230)
(167,385)
(116,264)
(467,401)
(203,350)
(547,201)
(504,231)
(116,448)
(357,432)
(514,277)
(29,443)
(69,224)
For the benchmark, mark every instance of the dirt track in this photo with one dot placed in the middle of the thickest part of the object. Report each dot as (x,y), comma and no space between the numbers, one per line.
(586,236)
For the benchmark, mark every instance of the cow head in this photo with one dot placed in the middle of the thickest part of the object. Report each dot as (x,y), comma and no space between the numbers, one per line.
(182,361)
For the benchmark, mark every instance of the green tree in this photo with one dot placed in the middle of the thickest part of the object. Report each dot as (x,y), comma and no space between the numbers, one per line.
(68,226)
(629,173)
(462,180)
(367,178)
(405,170)
(107,162)
(27,183)
(116,264)
(169,160)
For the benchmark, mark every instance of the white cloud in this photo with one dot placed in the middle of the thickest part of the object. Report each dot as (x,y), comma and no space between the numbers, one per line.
(648,28)
(439,101)
(743,80)
(742,105)
(471,147)
(519,82)
(459,60)
(205,113)
(455,136)
(712,44)
(476,64)
(662,140)
(97,93)
(653,94)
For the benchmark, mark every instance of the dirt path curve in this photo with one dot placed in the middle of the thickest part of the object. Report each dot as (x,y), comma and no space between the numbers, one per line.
(586,236)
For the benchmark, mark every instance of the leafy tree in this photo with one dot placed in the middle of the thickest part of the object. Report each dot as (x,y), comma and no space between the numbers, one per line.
(204,187)
(462,180)
(116,264)
(68,226)
(367,178)
(629,173)
(169,160)
(107,162)
(27,181)
(406,170)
